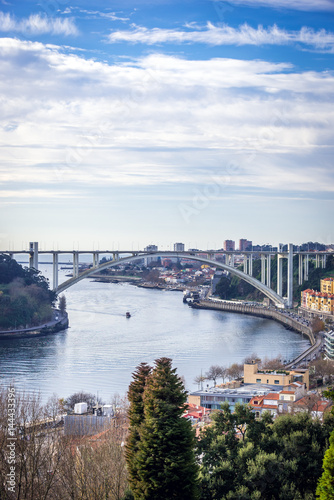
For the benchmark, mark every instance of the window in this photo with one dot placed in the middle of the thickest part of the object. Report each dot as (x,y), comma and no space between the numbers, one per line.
(258,381)
(276,381)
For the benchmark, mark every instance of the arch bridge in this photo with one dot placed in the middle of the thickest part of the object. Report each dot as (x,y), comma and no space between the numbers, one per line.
(206,257)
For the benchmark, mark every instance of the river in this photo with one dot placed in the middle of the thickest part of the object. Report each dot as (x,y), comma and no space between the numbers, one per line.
(101,349)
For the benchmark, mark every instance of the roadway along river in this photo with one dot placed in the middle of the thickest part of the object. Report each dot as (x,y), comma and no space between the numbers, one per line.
(101,349)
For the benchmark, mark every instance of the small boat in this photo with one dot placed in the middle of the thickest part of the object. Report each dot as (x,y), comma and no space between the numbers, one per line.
(128,315)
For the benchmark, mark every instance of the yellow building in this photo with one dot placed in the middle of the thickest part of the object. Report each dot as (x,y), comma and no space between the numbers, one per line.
(252,375)
(317,301)
(327,285)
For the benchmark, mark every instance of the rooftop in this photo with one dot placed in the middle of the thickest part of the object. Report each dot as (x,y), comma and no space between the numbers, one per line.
(246,389)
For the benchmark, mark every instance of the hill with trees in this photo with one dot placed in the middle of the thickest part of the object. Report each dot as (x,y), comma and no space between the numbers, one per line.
(25,297)
(232,287)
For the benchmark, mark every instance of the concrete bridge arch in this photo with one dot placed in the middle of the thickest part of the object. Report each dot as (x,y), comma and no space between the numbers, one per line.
(271,294)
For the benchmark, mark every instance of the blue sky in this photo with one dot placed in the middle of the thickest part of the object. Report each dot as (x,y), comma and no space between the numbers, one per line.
(144,122)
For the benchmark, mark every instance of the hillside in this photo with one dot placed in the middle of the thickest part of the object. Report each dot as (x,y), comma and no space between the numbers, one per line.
(236,288)
(25,297)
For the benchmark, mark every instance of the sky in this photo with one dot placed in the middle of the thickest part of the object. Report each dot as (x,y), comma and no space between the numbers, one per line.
(128,123)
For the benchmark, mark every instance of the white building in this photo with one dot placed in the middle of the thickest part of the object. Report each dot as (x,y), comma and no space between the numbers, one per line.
(178,247)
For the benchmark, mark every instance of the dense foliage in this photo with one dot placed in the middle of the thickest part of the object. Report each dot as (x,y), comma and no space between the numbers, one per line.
(278,460)
(25,297)
(325,490)
(160,449)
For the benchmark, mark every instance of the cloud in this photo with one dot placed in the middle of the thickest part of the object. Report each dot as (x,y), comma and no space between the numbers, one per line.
(306,5)
(226,35)
(36,193)
(107,15)
(37,24)
(90,126)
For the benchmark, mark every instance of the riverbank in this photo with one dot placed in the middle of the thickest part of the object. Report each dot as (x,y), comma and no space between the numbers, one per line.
(261,312)
(58,323)
(135,280)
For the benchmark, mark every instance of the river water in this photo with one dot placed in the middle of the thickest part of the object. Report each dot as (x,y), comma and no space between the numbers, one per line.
(101,349)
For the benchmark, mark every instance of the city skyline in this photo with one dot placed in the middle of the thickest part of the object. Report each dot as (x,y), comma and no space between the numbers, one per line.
(184,121)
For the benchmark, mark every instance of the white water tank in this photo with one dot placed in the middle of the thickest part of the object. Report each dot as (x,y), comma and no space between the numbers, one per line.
(108,410)
(80,408)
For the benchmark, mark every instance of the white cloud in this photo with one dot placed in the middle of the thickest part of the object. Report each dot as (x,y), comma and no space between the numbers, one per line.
(307,5)
(107,15)
(36,193)
(38,24)
(159,120)
(226,35)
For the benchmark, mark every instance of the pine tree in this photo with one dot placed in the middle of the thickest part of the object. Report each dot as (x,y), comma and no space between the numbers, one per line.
(136,418)
(160,450)
(325,489)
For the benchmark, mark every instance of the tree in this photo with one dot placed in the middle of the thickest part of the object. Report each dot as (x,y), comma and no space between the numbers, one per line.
(62,304)
(136,419)
(323,368)
(222,288)
(325,488)
(199,380)
(82,397)
(272,364)
(252,358)
(162,453)
(277,460)
(317,325)
(235,371)
(215,372)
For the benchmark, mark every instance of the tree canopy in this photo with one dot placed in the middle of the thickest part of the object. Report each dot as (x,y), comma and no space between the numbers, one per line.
(160,448)
(25,296)
(245,458)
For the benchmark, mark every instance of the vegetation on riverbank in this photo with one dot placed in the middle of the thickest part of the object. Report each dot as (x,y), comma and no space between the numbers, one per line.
(25,297)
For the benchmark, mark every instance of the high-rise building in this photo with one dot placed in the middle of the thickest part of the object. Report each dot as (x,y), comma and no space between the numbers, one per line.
(151,248)
(148,260)
(229,245)
(178,247)
(245,245)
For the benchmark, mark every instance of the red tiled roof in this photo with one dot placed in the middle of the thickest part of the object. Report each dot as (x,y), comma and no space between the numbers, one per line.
(272,395)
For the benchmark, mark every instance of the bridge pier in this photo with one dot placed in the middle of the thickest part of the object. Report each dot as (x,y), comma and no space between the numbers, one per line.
(280,275)
(300,269)
(323,261)
(290,276)
(33,254)
(251,264)
(55,270)
(246,264)
(263,269)
(306,263)
(75,264)
(96,259)
(268,270)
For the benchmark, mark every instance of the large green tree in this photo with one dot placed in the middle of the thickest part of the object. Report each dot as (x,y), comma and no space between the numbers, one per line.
(325,489)
(136,418)
(160,449)
(278,460)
